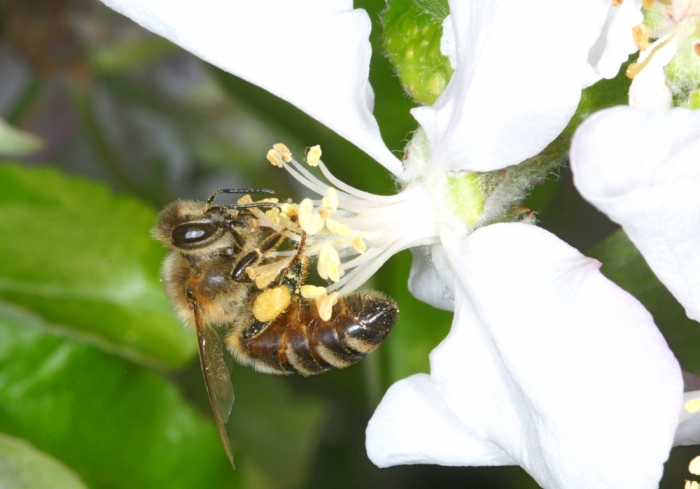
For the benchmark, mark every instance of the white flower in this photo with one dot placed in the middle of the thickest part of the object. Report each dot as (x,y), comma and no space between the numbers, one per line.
(548,365)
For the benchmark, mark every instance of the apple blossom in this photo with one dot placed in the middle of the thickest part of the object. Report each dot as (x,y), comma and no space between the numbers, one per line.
(548,365)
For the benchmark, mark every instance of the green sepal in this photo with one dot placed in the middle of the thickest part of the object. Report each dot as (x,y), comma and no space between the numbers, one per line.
(624,265)
(412,34)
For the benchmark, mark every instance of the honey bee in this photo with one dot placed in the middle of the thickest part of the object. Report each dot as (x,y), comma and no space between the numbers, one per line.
(273,329)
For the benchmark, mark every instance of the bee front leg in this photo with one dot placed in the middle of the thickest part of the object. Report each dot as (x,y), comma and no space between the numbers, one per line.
(255,256)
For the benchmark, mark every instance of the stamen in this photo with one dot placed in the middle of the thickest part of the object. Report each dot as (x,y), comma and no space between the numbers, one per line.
(647,3)
(697,48)
(325,304)
(284,152)
(640,34)
(329,264)
(693,406)
(691,485)
(616,3)
(635,68)
(275,157)
(314,155)
(312,292)
(694,466)
(330,201)
(310,221)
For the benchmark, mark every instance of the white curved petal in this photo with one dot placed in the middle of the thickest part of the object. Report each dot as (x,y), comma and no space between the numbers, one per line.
(688,430)
(615,43)
(556,365)
(641,169)
(520,69)
(425,281)
(413,425)
(312,53)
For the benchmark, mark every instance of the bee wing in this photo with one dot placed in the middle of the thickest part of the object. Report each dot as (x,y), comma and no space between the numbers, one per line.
(216,377)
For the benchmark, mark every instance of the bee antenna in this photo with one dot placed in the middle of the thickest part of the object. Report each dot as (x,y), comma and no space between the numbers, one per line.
(242,206)
(238,191)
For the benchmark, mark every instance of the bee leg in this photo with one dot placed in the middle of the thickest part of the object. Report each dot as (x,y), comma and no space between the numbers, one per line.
(254,257)
(295,274)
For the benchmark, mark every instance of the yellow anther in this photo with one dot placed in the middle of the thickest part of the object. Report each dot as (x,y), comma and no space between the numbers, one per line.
(691,485)
(330,201)
(616,3)
(697,48)
(329,264)
(325,304)
(273,215)
(693,406)
(336,228)
(275,157)
(647,3)
(310,221)
(313,156)
(694,466)
(312,292)
(246,199)
(359,245)
(271,303)
(640,34)
(290,210)
(284,152)
(635,68)
(324,213)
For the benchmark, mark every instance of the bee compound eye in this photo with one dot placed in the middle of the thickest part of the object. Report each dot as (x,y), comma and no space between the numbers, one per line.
(191,233)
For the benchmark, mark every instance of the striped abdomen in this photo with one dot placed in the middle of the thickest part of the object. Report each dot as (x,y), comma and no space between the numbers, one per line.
(298,341)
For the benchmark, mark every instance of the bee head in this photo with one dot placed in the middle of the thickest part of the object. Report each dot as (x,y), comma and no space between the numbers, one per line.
(190,227)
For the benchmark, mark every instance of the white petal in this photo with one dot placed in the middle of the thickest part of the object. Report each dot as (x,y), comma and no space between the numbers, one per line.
(312,53)
(641,169)
(615,43)
(413,425)
(688,431)
(552,363)
(425,281)
(520,69)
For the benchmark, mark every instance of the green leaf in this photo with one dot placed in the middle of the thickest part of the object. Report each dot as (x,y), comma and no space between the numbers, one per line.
(24,467)
(278,432)
(118,425)
(14,142)
(82,258)
(412,34)
(624,265)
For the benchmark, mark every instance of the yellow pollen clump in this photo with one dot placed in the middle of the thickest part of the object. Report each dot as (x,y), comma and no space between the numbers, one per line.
(246,199)
(290,210)
(325,304)
(310,221)
(693,406)
(694,466)
(271,303)
(324,213)
(314,155)
(312,292)
(640,34)
(647,3)
(275,157)
(283,151)
(329,264)
(691,485)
